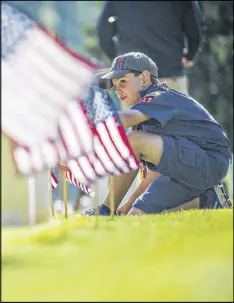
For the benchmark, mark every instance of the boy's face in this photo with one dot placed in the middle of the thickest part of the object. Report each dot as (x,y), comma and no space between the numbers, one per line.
(127,89)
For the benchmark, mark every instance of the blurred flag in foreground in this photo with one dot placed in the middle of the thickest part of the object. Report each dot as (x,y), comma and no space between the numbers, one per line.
(40,78)
(43,84)
(112,154)
(70,178)
(76,138)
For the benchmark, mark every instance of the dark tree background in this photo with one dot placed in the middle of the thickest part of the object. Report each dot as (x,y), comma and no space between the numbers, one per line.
(211,79)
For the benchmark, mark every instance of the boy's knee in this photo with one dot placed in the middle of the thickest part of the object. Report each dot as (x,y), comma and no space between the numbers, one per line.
(146,145)
(134,138)
(133,135)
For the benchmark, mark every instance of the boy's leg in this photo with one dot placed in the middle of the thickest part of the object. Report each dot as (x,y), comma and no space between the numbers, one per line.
(165,194)
(192,204)
(177,158)
(122,182)
(187,172)
(208,200)
(121,185)
(137,141)
(180,159)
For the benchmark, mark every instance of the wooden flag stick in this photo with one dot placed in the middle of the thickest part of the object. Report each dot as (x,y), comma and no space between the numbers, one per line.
(112,198)
(51,197)
(64,173)
(96,203)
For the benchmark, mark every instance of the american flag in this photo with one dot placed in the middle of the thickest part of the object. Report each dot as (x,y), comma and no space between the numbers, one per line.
(42,80)
(53,181)
(70,178)
(112,153)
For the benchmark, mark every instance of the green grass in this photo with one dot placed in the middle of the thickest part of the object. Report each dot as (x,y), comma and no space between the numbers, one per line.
(185,256)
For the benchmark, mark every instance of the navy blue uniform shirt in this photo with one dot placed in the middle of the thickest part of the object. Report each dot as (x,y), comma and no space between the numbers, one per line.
(178,115)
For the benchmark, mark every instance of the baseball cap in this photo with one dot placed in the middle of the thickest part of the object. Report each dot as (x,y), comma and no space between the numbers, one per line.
(133,61)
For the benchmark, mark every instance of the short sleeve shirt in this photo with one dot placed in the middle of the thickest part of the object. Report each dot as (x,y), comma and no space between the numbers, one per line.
(178,115)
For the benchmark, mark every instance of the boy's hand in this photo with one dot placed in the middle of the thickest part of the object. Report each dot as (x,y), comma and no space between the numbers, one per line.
(124,208)
(187,63)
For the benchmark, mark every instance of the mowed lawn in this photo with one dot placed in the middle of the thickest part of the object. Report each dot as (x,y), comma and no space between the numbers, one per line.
(186,256)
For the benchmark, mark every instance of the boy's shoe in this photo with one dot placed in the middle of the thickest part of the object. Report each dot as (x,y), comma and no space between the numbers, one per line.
(210,198)
(225,200)
(101,210)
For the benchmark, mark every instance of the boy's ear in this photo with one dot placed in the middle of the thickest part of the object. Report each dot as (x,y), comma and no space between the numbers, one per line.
(145,76)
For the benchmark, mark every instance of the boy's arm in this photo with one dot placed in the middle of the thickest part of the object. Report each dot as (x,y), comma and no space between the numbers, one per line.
(132,117)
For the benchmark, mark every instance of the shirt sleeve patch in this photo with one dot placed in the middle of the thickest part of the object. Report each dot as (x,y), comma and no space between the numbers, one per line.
(147,99)
(155,94)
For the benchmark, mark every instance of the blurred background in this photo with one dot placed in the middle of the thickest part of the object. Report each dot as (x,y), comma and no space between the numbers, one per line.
(211,78)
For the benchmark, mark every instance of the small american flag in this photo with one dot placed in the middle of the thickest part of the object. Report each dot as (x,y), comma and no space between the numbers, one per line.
(42,81)
(53,180)
(71,179)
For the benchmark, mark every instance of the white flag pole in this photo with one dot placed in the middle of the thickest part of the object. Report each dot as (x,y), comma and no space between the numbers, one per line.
(51,194)
(32,200)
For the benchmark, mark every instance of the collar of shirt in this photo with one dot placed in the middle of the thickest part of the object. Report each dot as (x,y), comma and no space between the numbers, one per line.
(148,90)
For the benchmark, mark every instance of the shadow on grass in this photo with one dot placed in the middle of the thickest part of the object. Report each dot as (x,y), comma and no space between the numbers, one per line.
(13,261)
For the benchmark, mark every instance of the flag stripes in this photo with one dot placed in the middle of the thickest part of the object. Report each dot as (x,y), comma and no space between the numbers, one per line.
(71,179)
(53,180)
(111,155)
(76,138)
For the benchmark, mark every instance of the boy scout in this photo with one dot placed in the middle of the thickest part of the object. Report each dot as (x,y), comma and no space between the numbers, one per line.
(184,148)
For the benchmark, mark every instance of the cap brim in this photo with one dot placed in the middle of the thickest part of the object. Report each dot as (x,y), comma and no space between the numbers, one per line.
(115,74)
(102,71)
